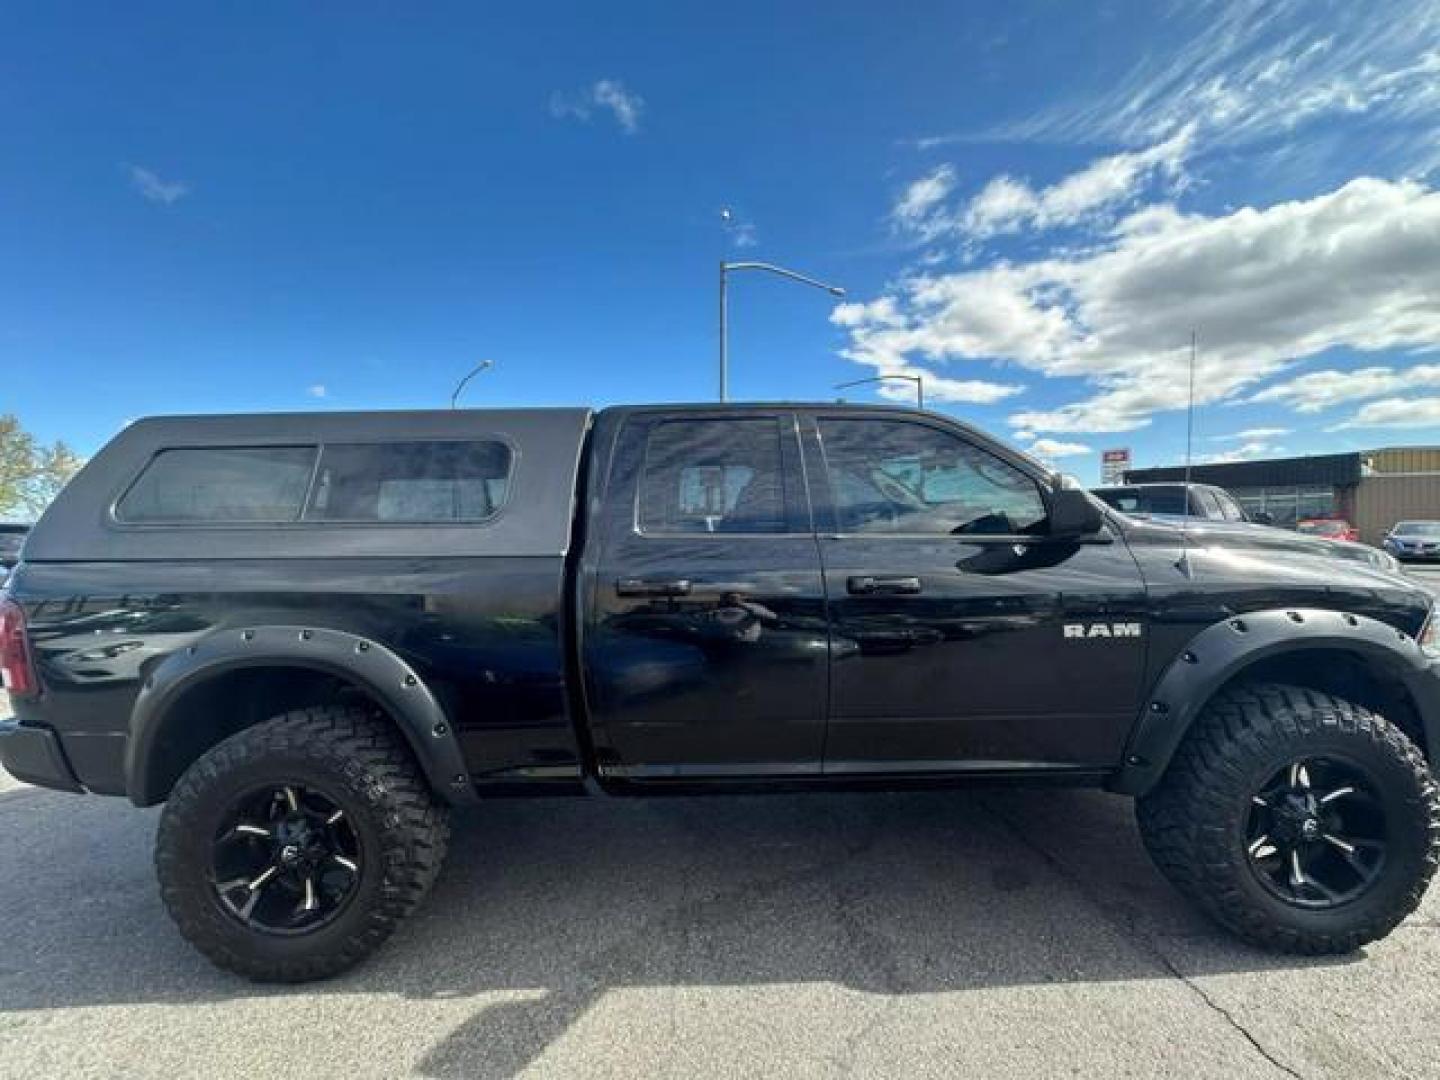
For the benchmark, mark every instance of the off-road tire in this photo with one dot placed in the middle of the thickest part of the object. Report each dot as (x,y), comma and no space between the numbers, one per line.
(358,759)
(1193,822)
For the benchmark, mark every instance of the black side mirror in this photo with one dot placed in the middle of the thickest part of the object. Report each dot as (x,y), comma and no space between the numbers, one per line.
(1073,515)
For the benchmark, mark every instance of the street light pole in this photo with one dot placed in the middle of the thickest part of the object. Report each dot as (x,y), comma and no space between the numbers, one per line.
(724,337)
(918,380)
(483,365)
(769,268)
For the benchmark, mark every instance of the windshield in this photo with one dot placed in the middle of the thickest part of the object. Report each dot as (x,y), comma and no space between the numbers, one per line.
(1137,500)
(1321,528)
(1418,528)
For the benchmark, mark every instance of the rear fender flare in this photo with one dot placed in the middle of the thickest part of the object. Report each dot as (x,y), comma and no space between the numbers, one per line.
(1223,650)
(375,669)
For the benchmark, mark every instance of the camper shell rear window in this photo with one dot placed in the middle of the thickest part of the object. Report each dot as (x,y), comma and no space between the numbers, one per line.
(436,481)
(220,484)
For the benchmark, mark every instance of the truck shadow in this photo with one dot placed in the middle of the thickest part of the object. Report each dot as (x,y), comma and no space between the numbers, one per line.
(547,905)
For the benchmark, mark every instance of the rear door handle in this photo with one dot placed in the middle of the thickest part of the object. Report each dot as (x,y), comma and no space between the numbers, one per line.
(644,587)
(870,584)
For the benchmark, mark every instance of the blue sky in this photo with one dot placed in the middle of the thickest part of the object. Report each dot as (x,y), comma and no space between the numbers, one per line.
(273,206)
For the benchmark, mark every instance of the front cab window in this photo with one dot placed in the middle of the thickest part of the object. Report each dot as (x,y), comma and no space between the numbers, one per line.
(895,476)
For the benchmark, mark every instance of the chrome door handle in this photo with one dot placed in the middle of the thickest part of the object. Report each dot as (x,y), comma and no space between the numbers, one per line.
(644,587)
(887,585)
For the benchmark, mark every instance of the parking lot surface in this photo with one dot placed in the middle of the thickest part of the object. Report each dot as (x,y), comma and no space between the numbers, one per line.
(989,933)
(985,932)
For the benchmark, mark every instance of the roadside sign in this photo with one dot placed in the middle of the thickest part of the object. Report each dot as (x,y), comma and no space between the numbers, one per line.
(1114,464)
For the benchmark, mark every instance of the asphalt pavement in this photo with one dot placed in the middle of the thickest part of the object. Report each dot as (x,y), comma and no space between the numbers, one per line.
(985,933)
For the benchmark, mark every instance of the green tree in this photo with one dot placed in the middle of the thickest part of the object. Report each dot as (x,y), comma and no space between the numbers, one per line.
(31,474)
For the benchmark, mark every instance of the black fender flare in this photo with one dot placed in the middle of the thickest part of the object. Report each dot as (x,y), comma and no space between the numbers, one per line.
(372,667)
(1222,650)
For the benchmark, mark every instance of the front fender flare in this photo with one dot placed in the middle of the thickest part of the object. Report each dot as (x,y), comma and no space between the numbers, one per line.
(1224,649)
(372,667)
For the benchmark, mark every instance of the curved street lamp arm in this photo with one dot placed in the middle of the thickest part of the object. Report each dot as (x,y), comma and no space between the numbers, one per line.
(473,372)
(918,380)
(833,290)
(769,268)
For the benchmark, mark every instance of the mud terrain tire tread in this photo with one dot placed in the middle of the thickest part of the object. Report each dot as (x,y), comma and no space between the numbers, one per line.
(1191,821)
(351,750)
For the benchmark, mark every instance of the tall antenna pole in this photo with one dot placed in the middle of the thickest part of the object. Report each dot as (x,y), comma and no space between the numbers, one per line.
(1183,563)
(1190,419)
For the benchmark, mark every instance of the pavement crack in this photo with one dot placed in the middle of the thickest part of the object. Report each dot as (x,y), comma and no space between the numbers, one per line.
(1147,944)
(1200,992)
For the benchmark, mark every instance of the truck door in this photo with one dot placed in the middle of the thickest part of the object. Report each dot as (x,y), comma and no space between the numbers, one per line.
(963,637)
(706,644)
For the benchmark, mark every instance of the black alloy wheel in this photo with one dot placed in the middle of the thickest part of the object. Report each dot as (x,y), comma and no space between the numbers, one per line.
(286,859)
(1299,820)
(292,849)
(1316,834)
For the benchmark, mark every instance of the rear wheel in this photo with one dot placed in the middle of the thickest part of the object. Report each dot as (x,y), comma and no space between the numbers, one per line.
(1300,821)
(291,850)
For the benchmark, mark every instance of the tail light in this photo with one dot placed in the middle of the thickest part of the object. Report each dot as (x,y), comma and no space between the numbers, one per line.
(16,670)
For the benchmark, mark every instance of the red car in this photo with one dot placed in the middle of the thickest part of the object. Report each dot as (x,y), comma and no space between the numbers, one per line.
(1328,528)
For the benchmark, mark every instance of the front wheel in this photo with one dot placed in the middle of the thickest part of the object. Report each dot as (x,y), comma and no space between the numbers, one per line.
(291,850)
(1300,821)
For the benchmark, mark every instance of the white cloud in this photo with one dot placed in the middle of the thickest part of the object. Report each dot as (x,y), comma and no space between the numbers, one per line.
(880,340)
(1010,205)
(739,228)
(1248,73)
(624,106)
(939,389)
(883,311)
(1251,434)
(1395,412)
(318,390)
(1053,448)
(1321,390)
(1006,205)
(1264,287)
(150,185)
(1258,448)
(919,207)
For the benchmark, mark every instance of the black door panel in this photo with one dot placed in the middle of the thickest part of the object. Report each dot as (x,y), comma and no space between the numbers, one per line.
(707,649)
(950,650)
(974,668)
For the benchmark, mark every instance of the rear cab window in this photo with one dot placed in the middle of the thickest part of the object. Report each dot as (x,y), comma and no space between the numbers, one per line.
(713,476)
(1126,500)
(1136,500)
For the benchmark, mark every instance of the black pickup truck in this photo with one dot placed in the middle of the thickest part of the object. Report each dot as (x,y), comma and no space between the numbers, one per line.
(311,635)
